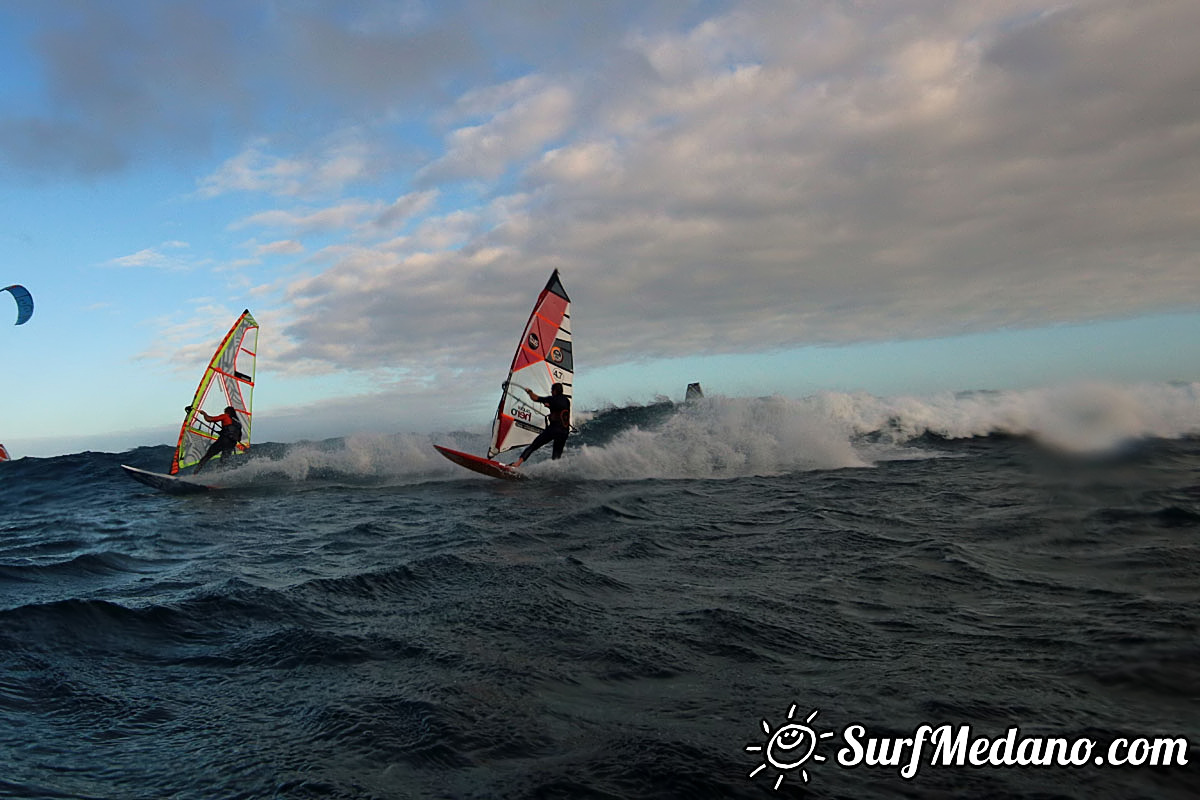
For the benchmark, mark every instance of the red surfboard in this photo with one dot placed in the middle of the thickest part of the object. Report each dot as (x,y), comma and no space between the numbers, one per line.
(481,465)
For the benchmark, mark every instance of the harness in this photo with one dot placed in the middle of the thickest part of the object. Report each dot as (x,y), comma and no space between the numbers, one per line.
(234,431)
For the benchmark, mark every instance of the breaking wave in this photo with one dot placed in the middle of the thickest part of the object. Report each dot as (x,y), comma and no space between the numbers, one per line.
(721,437)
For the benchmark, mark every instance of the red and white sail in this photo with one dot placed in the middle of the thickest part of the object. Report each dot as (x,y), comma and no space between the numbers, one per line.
(543,358)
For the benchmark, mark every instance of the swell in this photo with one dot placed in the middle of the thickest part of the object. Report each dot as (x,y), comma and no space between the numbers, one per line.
(82,566)
(597,638)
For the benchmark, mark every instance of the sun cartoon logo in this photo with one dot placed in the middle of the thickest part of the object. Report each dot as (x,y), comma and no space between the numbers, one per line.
(789,747)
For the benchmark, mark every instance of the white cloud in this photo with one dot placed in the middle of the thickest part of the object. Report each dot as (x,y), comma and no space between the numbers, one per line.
(773,175)
(860,178)
(528,118)
(155,258)
(187,344)
(281,247)
(328,168)
(341,217)
(404,209)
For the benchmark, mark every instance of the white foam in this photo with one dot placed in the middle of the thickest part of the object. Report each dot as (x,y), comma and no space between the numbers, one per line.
(721,437)
(728,437)
(1080,417)
(366,458)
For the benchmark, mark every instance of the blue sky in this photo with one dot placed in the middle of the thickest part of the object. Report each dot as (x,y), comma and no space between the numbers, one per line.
(909,197)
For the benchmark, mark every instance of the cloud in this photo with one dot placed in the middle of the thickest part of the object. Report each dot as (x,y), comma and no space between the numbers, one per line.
(187,344)
(326,170)
(155,258)
(42,146)
(526,118)
(340,217)
(862,178)
(124,82)
(355,218)
(281,247)
(131,82)
(404,209)
(729,177)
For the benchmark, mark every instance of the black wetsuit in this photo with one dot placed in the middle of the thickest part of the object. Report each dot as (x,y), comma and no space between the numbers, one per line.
(227,439)
(559,428)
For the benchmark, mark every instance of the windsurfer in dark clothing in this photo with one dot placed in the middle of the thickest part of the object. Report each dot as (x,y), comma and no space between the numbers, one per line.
(227,439)
(559,426)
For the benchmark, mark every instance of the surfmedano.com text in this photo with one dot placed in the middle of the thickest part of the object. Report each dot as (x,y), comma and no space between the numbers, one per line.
(948,746)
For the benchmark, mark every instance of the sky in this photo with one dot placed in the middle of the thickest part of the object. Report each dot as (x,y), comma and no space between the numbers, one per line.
(767,197)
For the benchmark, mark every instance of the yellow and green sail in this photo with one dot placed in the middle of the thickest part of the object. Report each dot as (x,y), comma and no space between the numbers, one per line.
(231,370)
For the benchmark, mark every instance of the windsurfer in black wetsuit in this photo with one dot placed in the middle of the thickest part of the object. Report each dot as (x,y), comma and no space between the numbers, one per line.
(227,439)
(559,426)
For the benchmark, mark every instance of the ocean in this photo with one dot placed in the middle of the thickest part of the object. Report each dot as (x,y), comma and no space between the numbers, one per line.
(734,597)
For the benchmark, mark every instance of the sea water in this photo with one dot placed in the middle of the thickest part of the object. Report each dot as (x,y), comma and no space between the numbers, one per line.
(735,597)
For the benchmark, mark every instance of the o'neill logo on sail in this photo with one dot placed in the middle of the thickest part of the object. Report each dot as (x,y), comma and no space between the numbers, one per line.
(534,341)
(792,745)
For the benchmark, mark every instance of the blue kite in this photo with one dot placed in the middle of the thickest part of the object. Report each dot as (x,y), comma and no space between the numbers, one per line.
(24,302)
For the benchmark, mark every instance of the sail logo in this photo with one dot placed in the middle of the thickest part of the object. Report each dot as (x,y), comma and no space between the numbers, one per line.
(556,355)
(789,747)
(534,341)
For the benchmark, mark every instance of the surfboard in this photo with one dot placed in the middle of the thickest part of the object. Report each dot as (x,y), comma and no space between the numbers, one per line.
(544,357)
(170,484)
(483,466)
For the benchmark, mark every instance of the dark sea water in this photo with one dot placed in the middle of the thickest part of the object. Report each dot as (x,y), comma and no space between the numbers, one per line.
(361,619)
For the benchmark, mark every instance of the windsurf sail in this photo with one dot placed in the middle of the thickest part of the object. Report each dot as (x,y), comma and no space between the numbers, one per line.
(543,358)
(694,392)
(228,381)
(4,456)
(24,302)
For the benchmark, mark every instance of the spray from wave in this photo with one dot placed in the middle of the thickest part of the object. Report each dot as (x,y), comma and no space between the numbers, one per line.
(723,437)
(1076,418)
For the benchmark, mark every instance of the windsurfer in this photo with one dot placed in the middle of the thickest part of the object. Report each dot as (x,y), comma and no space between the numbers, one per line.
(227,439)
(559,426)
